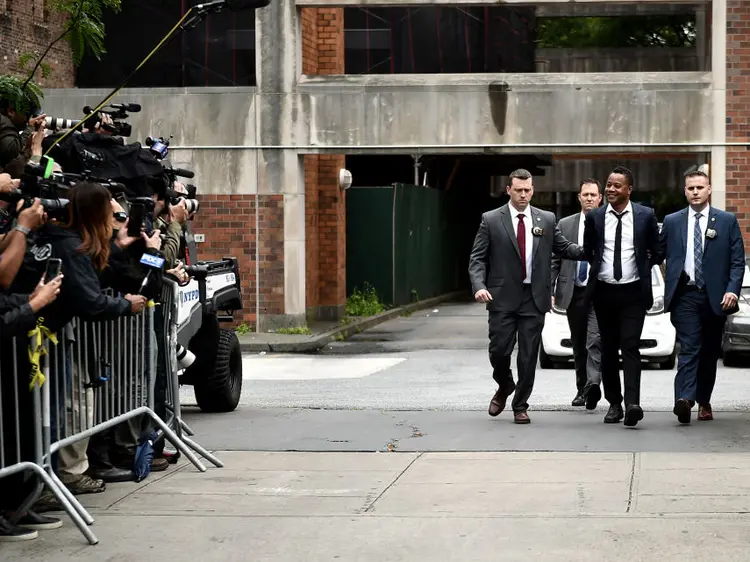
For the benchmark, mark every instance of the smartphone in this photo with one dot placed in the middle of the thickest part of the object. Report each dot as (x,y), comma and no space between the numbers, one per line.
(54,268)
(136,220)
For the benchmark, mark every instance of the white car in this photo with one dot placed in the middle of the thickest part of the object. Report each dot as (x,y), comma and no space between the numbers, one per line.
(658,338)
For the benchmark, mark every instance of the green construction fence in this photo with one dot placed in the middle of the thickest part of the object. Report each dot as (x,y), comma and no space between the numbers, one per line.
(408,242)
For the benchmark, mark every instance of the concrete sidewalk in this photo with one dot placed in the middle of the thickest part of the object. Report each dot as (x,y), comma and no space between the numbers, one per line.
(420,506)
(327,332)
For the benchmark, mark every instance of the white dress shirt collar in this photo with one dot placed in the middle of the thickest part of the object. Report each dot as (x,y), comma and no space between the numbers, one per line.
(704,212)
(515,212)
(628,208)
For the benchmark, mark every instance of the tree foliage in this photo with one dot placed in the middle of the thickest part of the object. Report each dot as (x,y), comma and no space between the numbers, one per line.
(20,96)
(617,32)
(84,26)
(84,31)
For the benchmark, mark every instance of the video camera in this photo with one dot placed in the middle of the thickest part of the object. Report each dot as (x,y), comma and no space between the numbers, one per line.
(115,111)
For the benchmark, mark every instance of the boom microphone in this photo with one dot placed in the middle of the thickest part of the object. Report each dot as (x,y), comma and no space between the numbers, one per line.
(131,107)
(232,5)
(183,173)
(237,5)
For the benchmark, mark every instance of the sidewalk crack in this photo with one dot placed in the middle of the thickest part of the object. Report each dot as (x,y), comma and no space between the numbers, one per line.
(370,507)
(632,483)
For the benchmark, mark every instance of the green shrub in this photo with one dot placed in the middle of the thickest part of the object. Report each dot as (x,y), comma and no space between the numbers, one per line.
(364,302)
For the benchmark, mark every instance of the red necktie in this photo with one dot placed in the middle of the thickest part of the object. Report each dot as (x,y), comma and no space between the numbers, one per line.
(521,237)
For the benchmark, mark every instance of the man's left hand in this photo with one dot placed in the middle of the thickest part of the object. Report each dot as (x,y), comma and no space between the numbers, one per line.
(729,301)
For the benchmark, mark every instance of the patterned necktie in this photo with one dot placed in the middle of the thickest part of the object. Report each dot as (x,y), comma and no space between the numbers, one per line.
(521,238)
(698,251)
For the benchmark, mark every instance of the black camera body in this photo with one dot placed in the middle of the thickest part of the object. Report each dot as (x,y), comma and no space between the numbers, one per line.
(35,185)
(118,112)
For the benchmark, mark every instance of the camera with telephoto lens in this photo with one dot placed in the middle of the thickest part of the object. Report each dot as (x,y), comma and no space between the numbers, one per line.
(185,357)
(60,123)
(37,182)
(191,203)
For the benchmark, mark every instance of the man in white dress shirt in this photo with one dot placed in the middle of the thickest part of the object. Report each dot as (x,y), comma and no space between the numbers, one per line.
(509,268)
(705,267)
(569,281)
(621,241)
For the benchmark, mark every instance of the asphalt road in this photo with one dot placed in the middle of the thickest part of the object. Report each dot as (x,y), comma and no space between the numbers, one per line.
(423,383)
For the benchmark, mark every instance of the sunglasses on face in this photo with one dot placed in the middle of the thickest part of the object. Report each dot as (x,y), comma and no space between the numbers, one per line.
(120,216)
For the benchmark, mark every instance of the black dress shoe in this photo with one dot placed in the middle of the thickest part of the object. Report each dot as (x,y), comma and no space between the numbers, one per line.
(112,474)
(614,415)
(682,410)
(593,395)
(633,414)
(579,400)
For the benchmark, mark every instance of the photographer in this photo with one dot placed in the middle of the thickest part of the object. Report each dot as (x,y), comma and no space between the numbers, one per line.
(83,245)
(13,244)
(16,129)
(171,221)
(17,317)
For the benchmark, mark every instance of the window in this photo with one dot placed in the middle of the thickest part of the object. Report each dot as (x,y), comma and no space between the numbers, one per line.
(219,51)
(464,39)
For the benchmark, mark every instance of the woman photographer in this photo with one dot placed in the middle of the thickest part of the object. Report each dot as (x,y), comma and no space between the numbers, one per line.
(82,243)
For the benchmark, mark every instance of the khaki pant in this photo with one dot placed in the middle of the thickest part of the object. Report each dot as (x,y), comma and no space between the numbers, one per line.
(80,413)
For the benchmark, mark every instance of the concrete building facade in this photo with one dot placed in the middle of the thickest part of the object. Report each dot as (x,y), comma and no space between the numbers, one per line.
(267,158)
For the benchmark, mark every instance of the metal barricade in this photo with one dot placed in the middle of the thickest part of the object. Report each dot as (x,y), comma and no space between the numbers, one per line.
(96,375)
(170,301)
(19,424)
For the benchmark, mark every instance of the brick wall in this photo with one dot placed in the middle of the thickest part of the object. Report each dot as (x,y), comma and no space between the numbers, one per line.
(27,27)
(325,206)
(738,112)
(229,224)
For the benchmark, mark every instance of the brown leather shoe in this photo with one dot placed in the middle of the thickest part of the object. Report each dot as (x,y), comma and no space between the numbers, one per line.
(159,464)
(521,417)
(497,404)
(705,413)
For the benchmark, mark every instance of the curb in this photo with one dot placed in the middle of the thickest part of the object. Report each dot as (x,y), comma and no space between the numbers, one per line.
(319,341)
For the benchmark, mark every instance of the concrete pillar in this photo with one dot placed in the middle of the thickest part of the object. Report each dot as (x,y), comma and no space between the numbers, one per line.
(280,172)
(718,162)
(702,36)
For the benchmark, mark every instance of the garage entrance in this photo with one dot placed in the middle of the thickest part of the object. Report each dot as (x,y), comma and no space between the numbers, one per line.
(411,222)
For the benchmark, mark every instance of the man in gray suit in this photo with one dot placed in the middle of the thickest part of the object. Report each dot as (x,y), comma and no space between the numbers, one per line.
(509,270)
(569,281)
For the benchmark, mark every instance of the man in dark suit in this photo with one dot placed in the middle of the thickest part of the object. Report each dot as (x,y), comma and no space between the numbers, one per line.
(705,266)
(509,270)
(621,239)
(569,281)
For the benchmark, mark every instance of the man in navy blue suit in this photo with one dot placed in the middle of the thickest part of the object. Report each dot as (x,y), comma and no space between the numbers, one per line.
(620,239)
(705,259)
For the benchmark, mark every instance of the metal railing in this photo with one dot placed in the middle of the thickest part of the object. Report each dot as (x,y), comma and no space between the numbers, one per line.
(90,377)
(173,405)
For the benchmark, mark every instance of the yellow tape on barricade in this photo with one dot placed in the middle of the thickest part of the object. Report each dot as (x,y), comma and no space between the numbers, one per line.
(37,350)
